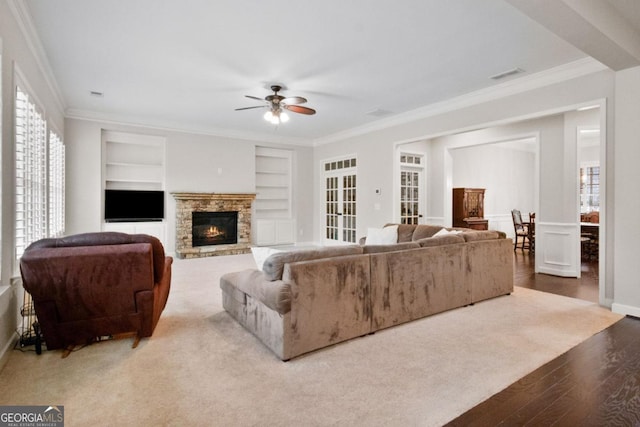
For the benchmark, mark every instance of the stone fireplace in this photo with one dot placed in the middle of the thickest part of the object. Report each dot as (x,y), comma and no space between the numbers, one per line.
(210,224)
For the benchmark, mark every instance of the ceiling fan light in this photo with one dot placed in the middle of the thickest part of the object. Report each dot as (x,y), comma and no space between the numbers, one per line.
(284,117)
(268,116)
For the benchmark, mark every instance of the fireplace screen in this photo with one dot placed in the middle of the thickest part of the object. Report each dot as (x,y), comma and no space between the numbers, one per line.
(214,228)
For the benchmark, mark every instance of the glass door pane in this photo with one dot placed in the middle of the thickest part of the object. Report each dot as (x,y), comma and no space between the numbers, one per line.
(331,206)
(409,197)
(349,208)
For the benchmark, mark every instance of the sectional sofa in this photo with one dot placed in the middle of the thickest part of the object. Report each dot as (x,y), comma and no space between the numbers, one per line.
(304,300)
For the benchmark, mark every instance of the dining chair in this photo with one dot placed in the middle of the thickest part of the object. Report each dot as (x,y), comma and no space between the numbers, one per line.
(532,232)
(521,230)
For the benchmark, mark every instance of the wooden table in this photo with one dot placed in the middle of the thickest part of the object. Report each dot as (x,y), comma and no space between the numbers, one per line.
(590,227)
(591,230)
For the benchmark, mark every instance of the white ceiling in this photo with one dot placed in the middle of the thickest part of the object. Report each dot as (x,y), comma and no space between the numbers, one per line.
(187,64)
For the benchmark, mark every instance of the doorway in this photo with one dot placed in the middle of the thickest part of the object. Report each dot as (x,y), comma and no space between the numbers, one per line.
(412,193)
(590,179)
(340,196)
(555,177)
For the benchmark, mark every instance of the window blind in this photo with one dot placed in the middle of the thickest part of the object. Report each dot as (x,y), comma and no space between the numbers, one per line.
(56,185)
(34,216)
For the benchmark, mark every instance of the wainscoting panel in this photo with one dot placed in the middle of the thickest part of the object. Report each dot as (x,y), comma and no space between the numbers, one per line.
(557,249)
(502,223)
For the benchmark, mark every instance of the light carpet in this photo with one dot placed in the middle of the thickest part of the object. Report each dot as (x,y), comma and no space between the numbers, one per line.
(202,368)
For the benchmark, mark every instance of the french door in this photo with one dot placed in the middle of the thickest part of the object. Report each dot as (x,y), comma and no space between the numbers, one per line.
(340,201)
(411,189)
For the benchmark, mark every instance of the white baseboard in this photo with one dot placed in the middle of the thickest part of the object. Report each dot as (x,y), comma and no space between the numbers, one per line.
(4,353)
(557,271)
(608,302)
(627,310)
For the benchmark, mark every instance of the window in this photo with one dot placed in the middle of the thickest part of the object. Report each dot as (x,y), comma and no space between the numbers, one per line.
(589,189)
(39,176)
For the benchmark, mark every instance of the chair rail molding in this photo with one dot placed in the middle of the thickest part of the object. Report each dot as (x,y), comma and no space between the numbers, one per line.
(558,249)
(501,222)
(435,220)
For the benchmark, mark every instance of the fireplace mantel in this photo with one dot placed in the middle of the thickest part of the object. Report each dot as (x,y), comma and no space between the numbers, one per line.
(214,196)
(186,203)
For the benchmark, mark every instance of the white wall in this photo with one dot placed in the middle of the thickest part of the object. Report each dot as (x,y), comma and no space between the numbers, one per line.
(548,134)
(375,171)
(506,172)
(193,163)
(627,176)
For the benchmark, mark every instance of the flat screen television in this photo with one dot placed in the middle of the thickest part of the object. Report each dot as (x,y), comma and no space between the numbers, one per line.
(133,205)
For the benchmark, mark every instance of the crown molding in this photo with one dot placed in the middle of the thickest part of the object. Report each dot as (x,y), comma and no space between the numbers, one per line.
(112,119)
(544,78)
(22,15)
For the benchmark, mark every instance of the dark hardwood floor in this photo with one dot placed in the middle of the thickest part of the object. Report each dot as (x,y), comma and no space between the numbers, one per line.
(585,288)
(596,383)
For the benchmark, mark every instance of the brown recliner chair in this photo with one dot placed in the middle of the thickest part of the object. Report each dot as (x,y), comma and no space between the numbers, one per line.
(96,284)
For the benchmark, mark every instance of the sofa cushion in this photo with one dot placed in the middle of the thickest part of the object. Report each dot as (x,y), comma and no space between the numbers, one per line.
(261,253)
(425,230)
(382,236)
(405,232)
(448,239)
(274,265)
(473,236)
(445,232)
(374,249)
(275,294)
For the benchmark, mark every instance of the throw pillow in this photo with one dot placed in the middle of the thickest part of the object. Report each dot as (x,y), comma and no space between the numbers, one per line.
(445,232)
(382,236)
(260,255)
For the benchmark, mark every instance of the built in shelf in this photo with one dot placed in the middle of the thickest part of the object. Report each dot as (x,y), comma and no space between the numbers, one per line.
(132,161)
(274,219)
(273,182)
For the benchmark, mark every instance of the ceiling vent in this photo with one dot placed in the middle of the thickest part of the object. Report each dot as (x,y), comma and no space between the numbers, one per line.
(378,112)
(96,94)
(507,73)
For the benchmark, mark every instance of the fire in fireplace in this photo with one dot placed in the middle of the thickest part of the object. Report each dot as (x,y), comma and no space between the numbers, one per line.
(214,228)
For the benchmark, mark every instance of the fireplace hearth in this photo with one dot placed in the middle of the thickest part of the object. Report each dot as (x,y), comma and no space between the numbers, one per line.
(214,228)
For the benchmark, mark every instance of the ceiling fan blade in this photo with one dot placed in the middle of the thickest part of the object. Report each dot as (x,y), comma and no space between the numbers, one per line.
(299,109)
(294,100)
(254,97)
(249,108)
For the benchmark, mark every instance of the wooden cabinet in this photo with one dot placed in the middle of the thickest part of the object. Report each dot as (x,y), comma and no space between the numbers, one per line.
(468,208)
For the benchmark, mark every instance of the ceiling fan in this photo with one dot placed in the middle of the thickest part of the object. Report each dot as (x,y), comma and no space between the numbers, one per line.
(277,103)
